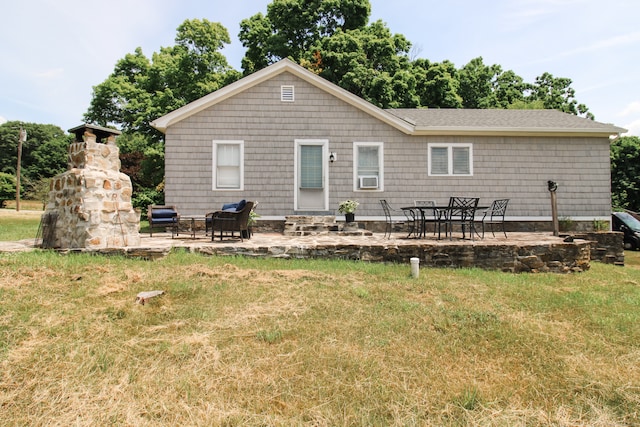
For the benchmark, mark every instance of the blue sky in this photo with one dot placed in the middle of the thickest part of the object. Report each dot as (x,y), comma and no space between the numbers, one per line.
(54,51)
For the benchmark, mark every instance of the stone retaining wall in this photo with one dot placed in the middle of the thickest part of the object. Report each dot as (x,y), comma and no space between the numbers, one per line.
(557,258)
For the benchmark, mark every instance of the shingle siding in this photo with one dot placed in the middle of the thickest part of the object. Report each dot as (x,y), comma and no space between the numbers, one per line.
(504,167)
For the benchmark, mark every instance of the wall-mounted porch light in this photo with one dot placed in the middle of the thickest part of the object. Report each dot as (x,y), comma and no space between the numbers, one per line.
(332,157)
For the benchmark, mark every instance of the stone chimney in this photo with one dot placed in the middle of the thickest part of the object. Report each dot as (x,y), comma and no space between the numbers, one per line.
(91,202)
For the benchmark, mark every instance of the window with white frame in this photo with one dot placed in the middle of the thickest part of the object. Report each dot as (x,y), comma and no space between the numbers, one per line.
(228,165)
(368,165)
(450,159)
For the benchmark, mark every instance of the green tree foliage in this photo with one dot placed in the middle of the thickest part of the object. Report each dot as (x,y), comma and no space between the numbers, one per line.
(369,62)
(625,173)
(143,162)
(488,86)
(332,38)
(438,85)
(44,153)
(7,187)
(291,27)
(556,93)
(140,90)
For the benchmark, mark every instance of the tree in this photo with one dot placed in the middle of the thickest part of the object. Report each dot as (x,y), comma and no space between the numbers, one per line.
(625,173)
(369,62)
(140,90)
(44,153)
(556,93)
(477,84)
(438,85)
(7,187)
(291,27)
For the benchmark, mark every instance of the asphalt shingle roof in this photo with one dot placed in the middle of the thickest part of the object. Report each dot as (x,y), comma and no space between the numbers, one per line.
(500,119)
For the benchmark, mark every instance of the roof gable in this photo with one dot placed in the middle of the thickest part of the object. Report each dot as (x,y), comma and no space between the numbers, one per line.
(413,121)
(271,71)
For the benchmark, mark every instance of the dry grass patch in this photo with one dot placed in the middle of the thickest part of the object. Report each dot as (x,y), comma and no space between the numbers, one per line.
(239,341)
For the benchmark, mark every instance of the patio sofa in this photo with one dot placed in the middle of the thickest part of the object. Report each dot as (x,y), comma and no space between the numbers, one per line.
(163,216)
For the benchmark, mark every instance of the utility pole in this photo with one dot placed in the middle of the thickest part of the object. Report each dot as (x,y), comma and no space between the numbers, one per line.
(21,138)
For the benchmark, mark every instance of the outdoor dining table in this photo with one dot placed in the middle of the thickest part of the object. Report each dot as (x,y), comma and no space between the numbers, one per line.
(442,214)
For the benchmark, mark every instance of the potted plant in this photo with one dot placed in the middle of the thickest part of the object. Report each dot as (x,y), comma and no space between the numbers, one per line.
(348,208)
(253,217)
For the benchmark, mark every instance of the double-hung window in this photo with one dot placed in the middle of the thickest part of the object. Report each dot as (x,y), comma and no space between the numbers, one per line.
(368,165)
(228,165)
(450,159)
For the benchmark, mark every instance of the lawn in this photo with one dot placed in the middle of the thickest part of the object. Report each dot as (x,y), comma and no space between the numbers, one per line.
(245,341)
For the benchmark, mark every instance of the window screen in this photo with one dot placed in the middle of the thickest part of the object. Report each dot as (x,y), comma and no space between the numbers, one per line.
(439,161)
(311,166)
(228,167)
(461,160)
(368,161)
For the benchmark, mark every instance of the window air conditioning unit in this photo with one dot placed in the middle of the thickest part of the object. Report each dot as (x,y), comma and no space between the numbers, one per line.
(368,181)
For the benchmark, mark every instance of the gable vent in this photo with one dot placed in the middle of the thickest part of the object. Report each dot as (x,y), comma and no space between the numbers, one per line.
(287,93)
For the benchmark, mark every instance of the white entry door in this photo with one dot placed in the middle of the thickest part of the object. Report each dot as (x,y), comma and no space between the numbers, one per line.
(312,175)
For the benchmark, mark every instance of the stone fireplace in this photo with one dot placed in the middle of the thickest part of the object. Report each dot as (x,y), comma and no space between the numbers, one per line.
(90,204)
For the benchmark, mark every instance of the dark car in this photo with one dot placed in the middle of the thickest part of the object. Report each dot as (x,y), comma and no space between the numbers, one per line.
(630,226)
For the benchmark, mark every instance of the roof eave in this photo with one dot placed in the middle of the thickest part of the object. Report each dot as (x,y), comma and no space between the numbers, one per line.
(466,131)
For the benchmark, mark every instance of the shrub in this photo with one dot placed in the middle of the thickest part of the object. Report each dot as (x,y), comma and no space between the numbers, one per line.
(7,187)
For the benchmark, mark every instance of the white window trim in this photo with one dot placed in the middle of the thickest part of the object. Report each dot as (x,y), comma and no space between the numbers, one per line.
(356,181)
(214,164)
(449,147)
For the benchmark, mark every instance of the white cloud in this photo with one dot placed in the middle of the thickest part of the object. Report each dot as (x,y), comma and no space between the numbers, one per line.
(633,128)
(633,108)
(2,120)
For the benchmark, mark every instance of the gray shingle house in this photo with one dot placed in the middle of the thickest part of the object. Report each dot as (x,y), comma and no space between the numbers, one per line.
(299,144)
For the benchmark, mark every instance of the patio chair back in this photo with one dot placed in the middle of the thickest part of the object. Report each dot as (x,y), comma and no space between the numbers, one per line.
(462,211)
(495,215)
(388,215)
(429,213)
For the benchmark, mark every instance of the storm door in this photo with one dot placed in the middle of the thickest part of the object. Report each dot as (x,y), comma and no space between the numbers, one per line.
(311,183)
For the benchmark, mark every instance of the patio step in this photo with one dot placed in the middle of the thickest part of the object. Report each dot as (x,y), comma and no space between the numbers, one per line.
(309,225)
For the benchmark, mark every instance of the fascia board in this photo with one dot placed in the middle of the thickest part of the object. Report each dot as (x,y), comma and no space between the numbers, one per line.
(564,132)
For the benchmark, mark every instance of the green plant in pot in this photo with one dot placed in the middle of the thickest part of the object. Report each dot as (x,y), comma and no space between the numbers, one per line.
(253,217)
(348,208)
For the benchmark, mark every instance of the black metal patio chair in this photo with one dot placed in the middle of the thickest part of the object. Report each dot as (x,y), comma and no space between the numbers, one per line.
(460,212)
(429,214)
(494,215)
(409,214)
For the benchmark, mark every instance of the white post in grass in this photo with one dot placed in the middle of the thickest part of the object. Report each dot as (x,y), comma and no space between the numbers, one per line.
(415,267)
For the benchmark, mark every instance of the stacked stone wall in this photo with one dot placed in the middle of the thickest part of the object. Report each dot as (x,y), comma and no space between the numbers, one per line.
(92,200)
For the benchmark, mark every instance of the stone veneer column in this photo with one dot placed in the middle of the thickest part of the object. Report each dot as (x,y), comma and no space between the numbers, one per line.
(92,199)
